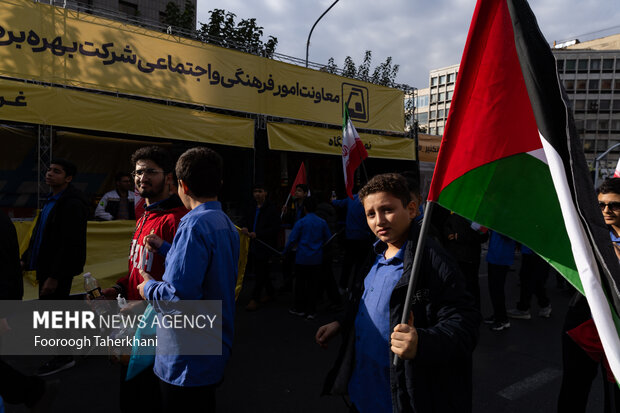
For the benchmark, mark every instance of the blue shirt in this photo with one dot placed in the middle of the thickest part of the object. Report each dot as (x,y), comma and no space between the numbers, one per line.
(201,265)
(369,386)
(38,237)
(501,250)
(310,233)
(356,226)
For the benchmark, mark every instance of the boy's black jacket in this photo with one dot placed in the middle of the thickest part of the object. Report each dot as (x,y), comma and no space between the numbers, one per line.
(439,378)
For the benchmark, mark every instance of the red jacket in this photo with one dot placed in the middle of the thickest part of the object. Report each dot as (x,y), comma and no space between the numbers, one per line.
(162,219)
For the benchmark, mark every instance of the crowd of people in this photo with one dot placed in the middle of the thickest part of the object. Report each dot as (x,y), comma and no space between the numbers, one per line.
(186,248)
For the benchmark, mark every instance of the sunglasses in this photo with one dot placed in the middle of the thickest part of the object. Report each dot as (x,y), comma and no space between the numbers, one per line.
(614,206)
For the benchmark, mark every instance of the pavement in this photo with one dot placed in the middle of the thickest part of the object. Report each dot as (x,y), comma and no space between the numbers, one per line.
(277,368)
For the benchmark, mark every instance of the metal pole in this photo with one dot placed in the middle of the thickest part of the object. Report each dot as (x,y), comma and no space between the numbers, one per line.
(317,20)
(417,263)
(598,159)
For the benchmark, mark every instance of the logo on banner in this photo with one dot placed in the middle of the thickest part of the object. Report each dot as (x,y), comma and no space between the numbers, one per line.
(356,98)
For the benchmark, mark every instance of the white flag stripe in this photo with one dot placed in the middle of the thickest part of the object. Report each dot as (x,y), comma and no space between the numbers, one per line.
(585,260)
(617,172)
(539,154)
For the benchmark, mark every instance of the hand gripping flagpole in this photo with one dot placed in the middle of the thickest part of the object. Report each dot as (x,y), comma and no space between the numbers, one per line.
(417,262)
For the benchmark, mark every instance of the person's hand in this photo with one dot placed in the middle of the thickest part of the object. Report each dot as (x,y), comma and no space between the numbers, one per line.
(252,235)
(147,277)
(284,209)
(453,237)
(109,293)
(326,333)
(404,340)
(152,242)
(49,286)
(4,326)
(245,231)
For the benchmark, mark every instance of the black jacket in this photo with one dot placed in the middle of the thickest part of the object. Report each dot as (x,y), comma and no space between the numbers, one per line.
(267,227)
(62,252)
(439,378)
(11,283)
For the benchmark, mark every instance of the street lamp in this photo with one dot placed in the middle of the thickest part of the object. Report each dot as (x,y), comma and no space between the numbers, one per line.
(597,160)
(317,20)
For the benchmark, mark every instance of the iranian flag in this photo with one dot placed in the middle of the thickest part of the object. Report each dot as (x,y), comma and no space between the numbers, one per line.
(617,171)
(353,151)
(512,161)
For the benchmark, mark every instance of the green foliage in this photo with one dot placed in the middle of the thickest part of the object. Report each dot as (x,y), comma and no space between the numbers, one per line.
(384,74)
(180,19)
(246,35)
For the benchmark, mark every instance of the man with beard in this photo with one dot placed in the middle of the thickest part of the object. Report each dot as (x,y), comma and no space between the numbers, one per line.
(162,213)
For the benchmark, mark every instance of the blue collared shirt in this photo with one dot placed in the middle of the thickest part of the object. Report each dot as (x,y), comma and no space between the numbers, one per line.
(45,213)
(356,226)
(310,233)
(201,265)
(501,250)
(369,387)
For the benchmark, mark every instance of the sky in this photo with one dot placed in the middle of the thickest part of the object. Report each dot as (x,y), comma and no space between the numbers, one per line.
(419,35)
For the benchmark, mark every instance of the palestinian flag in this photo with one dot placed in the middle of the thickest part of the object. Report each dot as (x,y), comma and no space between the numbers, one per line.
(512,161)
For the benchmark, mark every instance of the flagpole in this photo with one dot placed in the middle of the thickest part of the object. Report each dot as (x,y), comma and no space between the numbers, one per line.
(417,263)
(285,204)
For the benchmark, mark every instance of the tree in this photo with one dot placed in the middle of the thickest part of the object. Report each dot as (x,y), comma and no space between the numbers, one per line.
(178,19)
(246,35)
(384,74)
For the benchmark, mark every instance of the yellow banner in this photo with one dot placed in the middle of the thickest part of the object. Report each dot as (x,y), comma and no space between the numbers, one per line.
(24,102)
(107,254)
(42,42)
(296,138)
(428,147)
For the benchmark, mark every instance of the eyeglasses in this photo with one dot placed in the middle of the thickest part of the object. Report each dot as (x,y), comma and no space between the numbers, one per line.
(147,172)
(614,206)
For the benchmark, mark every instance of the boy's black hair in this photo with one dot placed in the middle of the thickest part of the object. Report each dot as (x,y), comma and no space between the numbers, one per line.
(303,187)
(310,204)
(160,156)
(259,185)
(201,169)
(121,175)
(609,186)
(68,166)
(394,184)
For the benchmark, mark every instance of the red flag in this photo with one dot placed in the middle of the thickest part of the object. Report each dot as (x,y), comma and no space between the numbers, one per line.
(353,151)
(300,179)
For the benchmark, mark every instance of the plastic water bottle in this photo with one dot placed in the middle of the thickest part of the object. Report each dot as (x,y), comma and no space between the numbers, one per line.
(91,287)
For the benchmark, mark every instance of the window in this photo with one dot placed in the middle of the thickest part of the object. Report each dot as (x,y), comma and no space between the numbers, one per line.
(615,125)
(570,65)
(605,84)
(581,85)
(595,65)
(601,145)
(608,65)
(129,9)
(433,131)
(432,115)
(433,98)
(592,105)
(579,124)
(617,65)
(617,83)
(440,114)
(603,125)
(582,65)
(580,105)
(423,117)
(593,85)
(591,125)
(560,65)
(433,81)
(449,94)
(442,97)
(440,130)
(451,77)
(569,84)
(604,105)
(615,107)
(442,79)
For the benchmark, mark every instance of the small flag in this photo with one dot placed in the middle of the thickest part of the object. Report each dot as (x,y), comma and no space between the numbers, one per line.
(617,173)
(511,159)
(301,178)
(353,151)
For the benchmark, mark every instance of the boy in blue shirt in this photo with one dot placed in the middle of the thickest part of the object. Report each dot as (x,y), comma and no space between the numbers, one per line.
(310,234)
(435,347)
(200,265)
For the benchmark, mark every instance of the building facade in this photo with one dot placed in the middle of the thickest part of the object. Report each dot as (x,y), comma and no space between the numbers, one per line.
(153,11)
(437,97)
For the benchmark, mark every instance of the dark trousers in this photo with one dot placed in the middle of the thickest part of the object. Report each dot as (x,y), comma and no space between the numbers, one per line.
(261,271)
(186,399)
(327,282)
(146,384)
(306,277)
(533,275)
(62,291)
(354,255)
(497,280)
(470,271)
(579,370)
(17,388)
